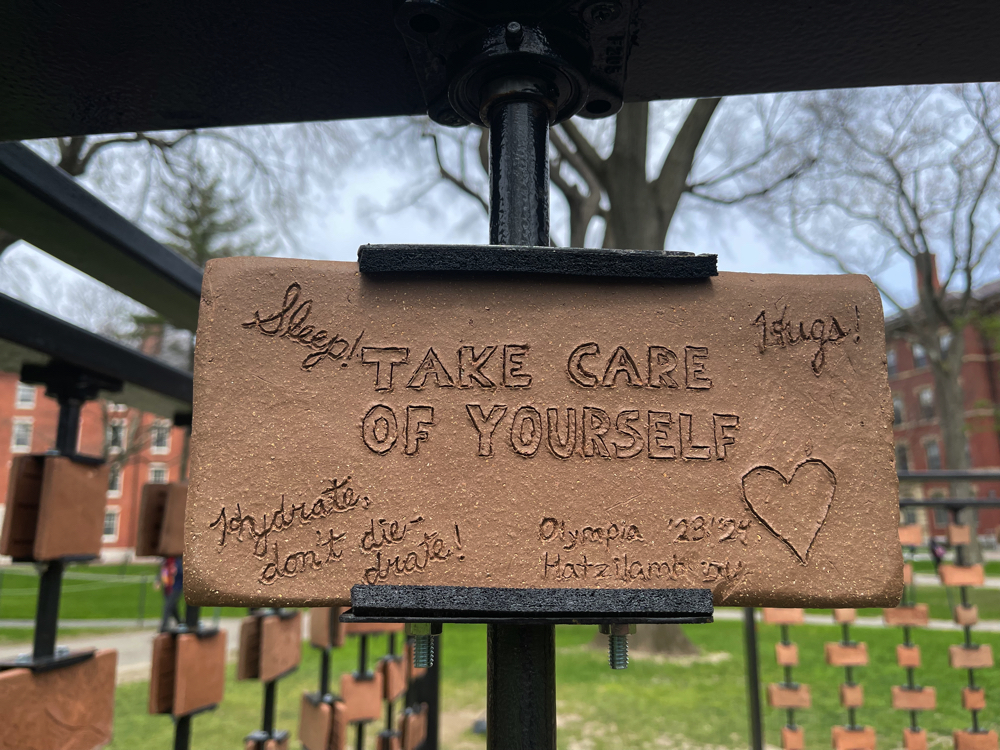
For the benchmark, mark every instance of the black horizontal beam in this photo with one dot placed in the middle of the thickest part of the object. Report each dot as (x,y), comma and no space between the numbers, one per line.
(46,207)
(35,336)
(646,264)
(944,502)
(946,475)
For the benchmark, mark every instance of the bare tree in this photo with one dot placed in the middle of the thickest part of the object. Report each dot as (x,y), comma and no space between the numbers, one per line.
(907,176)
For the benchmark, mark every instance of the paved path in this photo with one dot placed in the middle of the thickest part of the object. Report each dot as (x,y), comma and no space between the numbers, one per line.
(984,626)
(929,579)
(134,648)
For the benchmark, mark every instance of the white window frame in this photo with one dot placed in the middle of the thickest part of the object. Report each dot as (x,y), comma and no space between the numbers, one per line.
(906,452)
(920,402)
(15,423)
(22,389)
(892,362)
(118,422)
(117,512)
(116,491)
(937,444)
(898,398)
(154,467)
(916,359)
(112,406)
(154,449)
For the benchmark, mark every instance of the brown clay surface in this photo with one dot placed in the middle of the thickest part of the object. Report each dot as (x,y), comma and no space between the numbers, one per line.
(162,673)
(916,616)
(732,434)
(171,543)
(961,575)
(914,739)
(69,708)
(907,656)
(372,628)
(315,724)
(793,739)
(393,677)
(248,658)
(958,534)
(973,699)
(362,698)
(201,672)
(907,574)
(790,616)
(980,657)
(840,655)
(853,739)
(782,696)
(71,511)
(852,696)
(786,654)
(845,616)
(966,615)
(151,507)
(974,740)
(911,535)
(280,645)
(325,628)
(24,490)
(924,699)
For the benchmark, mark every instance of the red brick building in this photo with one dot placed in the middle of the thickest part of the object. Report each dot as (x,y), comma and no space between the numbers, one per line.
(141,447)
(918,436)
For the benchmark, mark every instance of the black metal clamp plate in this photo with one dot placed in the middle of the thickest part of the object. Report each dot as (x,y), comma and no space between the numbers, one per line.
(643,264)
(460,604)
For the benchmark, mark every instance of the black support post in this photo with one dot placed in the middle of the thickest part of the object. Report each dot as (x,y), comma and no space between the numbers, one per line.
(520,678)
(753,678)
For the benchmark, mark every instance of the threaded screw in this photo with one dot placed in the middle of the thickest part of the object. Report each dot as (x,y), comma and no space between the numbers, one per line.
(617,634)
(423,634)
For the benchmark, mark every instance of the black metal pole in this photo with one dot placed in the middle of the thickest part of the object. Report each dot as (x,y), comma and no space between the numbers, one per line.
(182,733)
(753,679)
(521,659)
(270,688)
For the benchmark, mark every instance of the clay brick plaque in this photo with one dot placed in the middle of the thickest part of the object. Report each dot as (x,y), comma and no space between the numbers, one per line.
(852,696)
(907,656)
(388,741)
(162,673)
(372,628)
(923,699)
(248,656)
(160,529)
(200,677)
(846,655)
(793,738)
(853,739)
(958,534)
(325,628)
(280,645)
(845,616)
(732,434)
(413,727)
(786,654)
(911,535)
(55,509)
(974,740)
(393,670)
(966,615)
(786,696)
(907,574)
(973,699)
(980,657)
(961,575)
(781,616)
(914,739)
(322,725)
(69,708)
(362,697)
(916,616)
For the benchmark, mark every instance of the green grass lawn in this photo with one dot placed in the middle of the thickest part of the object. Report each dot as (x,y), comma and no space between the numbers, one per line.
(108,592)
(653,704)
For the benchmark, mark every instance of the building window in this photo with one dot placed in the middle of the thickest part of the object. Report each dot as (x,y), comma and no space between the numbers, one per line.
(902,458)
(117,407)
(158,473)
(891,362)
(925,396)
(909,516)
(898,416)
(919,356)
(115,480)
(25,396)
(20,438)
(941,517)
(111,524)
(116,435)
(159,438)
(933,451)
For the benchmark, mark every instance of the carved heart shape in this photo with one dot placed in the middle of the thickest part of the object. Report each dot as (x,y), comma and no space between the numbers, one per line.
(794,509)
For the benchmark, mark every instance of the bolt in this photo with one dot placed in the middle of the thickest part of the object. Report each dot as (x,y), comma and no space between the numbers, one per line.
(514,34)
(618,634)
(423,634)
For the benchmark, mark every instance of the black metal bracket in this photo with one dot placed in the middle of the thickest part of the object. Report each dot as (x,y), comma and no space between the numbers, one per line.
(576,261)
(574,53)
(45,663)
(461,604)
